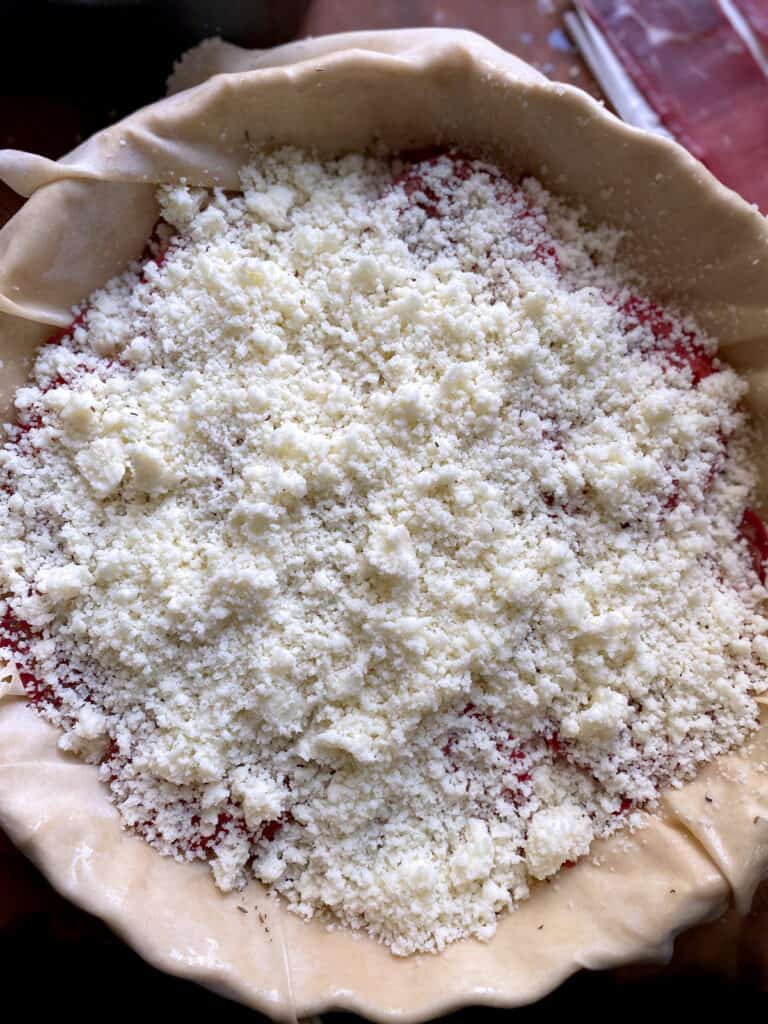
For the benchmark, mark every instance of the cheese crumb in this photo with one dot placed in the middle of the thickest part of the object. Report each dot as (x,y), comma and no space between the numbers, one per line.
(103,465)
(556,835)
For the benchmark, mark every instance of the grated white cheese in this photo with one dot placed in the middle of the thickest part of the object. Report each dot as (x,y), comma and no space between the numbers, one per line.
(556,834)
(374,550)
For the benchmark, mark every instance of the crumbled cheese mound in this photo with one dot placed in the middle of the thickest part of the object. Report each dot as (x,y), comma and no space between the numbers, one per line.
(376,545)
(556,834)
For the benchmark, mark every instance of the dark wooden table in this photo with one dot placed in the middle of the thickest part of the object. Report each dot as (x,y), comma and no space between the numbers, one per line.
(42,937)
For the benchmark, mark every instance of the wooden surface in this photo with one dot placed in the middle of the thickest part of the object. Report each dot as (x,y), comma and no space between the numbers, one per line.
(51,125)
(524,27)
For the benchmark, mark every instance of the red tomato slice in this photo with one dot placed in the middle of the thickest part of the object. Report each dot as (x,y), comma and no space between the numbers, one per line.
(65,332)
(640,311)
(752,530)
(15,635)
(411,179)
